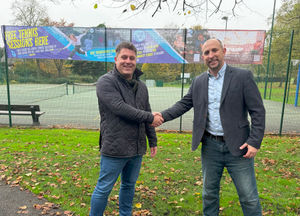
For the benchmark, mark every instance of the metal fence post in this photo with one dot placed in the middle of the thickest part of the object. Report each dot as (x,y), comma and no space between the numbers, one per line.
(289,84)
(286,81)
(7,78)
(269,53)
(297,88)
(271,81)
(182,79)
(105,42)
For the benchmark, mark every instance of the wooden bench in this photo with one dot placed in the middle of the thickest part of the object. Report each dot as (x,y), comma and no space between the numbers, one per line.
(33,110)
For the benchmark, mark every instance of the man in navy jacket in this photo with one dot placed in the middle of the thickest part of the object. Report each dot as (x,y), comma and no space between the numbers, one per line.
(125,124)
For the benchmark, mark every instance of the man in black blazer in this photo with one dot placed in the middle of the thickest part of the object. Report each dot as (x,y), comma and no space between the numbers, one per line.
(222,98)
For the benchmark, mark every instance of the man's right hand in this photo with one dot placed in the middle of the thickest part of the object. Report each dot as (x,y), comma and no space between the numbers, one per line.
(158,119)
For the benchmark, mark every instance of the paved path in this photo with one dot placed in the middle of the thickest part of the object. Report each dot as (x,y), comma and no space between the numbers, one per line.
(15,202)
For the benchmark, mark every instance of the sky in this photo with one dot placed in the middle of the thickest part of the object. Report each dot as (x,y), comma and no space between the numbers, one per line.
(251,15)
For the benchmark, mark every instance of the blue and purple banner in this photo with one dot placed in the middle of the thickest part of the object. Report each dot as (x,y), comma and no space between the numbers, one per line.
(153,45)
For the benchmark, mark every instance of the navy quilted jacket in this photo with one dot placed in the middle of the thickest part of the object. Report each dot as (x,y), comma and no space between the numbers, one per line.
(125,116)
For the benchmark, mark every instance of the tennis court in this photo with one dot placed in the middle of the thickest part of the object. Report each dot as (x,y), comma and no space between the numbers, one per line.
(76,106)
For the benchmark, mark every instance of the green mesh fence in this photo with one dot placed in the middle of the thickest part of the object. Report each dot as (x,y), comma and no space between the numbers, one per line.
(75,105)
(65,90)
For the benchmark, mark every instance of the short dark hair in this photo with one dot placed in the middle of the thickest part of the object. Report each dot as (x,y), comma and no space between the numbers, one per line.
(125,45)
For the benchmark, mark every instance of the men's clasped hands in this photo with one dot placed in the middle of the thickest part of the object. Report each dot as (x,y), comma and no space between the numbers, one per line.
(158,119)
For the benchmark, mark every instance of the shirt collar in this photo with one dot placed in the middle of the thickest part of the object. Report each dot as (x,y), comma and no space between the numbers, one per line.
(221,71)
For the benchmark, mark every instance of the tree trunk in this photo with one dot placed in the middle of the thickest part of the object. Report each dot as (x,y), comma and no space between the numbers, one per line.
(58,65)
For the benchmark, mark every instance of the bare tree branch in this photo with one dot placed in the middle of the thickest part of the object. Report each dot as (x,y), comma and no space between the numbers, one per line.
(236,2)
(188,5)
(175,6)
(209,7)
(158,7)
(217,7)
(143,3)
(28,13)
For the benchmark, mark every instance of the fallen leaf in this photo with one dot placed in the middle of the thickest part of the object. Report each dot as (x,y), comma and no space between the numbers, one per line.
(138,205)
(23,207)
(37,206)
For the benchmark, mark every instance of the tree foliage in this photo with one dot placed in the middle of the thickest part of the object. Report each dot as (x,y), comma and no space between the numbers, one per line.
(287,19)
(1,52)
(90,70)
(165,72)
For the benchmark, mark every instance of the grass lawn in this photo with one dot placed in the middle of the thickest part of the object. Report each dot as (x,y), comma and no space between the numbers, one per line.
(62,165)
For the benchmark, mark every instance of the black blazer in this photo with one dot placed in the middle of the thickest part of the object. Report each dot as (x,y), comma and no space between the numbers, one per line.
(240,97)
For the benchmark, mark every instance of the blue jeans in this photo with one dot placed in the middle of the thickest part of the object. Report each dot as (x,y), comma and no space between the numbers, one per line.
(216,156)
(110,169)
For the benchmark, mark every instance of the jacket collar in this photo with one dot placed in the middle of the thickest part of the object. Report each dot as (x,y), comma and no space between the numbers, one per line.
(226,83)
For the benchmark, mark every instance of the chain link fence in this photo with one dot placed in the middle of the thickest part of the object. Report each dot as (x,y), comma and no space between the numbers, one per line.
(74,104)
(65,89)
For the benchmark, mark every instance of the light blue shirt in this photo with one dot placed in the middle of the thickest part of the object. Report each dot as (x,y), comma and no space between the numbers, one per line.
(215,84)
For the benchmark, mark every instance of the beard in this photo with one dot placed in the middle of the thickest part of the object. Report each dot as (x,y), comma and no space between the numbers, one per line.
(214,64)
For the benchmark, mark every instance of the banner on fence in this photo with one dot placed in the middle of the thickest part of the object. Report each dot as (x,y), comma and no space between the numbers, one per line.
(153,45)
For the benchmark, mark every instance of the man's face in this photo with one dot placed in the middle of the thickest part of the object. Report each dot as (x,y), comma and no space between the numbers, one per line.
(126,62)
(213,55)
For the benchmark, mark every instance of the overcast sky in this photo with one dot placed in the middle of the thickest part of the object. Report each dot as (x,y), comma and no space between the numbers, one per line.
(253,14)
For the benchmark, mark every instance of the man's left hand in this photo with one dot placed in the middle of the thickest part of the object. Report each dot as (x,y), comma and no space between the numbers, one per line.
(153,151)
(251,150)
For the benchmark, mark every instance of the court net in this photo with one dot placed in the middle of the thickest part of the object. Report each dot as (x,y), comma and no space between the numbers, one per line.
(83,87)
(32,93)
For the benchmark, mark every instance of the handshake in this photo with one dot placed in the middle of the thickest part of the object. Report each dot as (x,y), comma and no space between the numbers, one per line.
(158,119)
